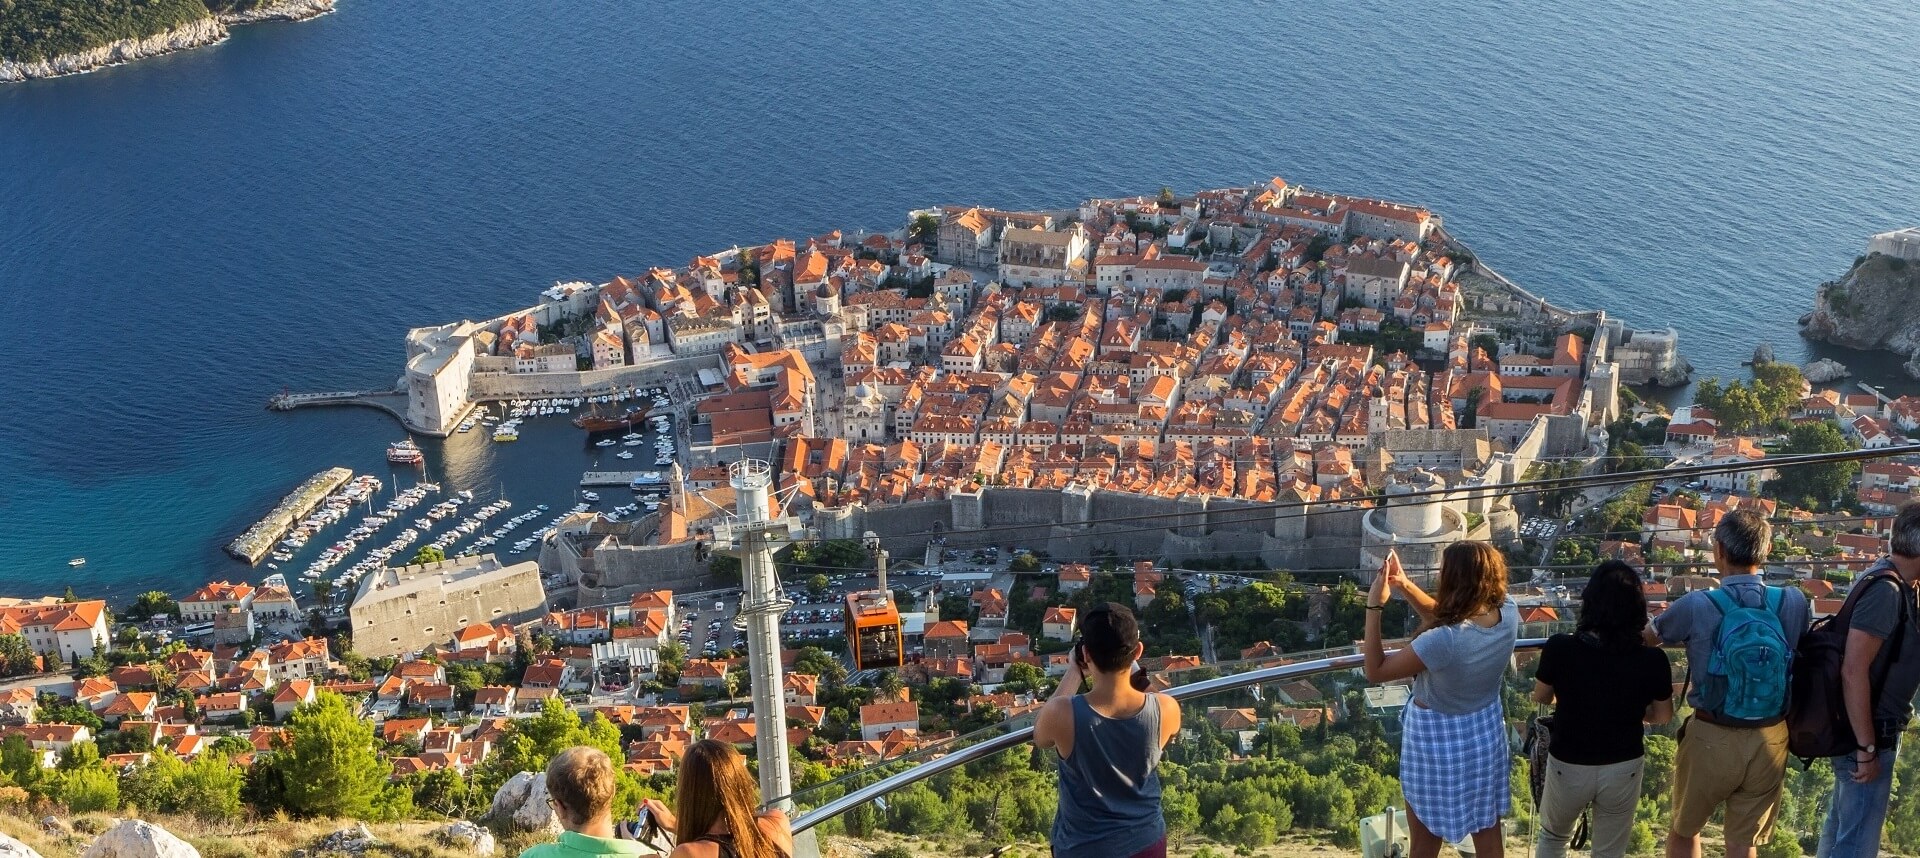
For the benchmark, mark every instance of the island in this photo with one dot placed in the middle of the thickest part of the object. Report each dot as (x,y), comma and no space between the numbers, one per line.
(50,38)
(1871,306)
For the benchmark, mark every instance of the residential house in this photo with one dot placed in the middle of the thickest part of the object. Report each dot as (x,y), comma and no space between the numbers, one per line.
(292,695)
(1059,624)
(879,719)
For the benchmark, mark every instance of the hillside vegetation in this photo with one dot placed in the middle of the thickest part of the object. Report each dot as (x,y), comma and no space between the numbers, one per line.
(34,30)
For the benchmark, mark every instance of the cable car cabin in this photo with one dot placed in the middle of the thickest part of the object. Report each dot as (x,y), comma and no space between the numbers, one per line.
(873,630)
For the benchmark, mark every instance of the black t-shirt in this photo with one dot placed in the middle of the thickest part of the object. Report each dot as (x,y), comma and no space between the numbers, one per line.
(1601,698)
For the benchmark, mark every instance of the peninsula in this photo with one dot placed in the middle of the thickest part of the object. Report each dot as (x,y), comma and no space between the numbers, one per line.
(1207,352)
(50,38)
(1869,306)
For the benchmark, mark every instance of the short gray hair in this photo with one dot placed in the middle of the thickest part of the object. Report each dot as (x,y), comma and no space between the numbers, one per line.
(1905,541)
(1744,537)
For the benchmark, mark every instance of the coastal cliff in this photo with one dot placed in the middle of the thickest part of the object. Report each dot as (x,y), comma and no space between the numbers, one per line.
(205,31)
(273,10)
(44,39)
(1875,305)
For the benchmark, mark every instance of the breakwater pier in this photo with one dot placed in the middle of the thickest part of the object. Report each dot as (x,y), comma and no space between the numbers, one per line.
(259,539)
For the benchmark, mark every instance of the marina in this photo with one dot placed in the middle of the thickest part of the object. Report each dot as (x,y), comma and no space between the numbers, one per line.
(445,500)
(258,540)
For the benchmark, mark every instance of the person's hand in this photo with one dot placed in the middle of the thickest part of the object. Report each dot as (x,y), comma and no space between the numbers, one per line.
(1865,771)
(1396,574)
(658,811)
(1075,676)
(1377,594)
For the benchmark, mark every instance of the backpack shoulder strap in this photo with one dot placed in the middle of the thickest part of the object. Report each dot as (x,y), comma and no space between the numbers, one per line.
(1721,601)
(1776,598)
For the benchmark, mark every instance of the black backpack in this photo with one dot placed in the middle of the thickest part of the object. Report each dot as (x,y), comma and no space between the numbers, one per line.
(1817,724)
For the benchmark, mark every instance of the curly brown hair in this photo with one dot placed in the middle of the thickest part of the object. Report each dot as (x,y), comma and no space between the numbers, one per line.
(1473,581)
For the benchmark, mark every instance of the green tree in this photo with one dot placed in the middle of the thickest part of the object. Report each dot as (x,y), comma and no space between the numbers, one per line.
(1025,564)
(90,789)
(440,791)
(818,585)
(428,554)
(331,767)
(16,658)
(209,788)
(1823,483)
(80,755)
(19,763)
(924,230)
(152,603)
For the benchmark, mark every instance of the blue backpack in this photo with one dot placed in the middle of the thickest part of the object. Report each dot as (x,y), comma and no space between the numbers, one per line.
(1747,676)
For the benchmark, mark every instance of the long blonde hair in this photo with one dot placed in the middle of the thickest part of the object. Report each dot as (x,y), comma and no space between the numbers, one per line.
(1473,581)
(715,787)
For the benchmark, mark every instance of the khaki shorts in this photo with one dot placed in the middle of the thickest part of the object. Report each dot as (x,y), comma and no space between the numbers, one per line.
(1742,768)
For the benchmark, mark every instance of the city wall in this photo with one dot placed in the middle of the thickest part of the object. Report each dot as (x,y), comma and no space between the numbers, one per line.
(483,386)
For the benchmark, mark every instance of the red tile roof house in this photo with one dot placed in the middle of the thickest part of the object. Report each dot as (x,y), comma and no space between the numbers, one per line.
(878,719)
(221,707)
(1059,624)
(292,696)
(494,701)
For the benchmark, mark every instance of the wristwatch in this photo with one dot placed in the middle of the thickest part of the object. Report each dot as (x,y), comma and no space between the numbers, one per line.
(1869,750)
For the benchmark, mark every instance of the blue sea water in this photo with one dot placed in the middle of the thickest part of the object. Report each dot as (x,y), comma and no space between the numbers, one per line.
(182,237)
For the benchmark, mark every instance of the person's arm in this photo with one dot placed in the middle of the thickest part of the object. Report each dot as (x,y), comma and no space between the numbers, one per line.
(1417,599)
(1379,666)
(1542,693)
(1659,712)
(1169,718)
(1856,688)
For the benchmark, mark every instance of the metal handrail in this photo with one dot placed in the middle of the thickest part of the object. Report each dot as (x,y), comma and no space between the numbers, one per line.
(1231,682)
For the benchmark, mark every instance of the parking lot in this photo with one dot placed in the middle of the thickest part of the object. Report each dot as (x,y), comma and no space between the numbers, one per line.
(707,625)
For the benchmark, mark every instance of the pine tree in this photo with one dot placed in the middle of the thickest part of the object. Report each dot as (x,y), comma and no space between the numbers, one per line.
(331,768)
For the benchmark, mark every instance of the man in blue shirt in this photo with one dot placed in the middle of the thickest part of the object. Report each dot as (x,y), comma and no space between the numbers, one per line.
(580,784)
(1723,762)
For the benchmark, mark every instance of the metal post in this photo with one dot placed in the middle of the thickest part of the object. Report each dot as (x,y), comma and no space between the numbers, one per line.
(761,604)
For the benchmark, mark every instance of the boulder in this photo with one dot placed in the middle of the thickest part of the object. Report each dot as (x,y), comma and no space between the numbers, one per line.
(55,827)
(11,848)
(138,838)
(1763,353)
(1912,366)
(521,802)
(469,838)
(354,839)
(1825,370)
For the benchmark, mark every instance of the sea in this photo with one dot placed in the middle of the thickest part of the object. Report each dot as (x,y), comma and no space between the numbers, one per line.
(183,237)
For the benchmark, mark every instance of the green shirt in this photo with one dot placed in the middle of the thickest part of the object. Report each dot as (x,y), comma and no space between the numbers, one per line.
(576,845)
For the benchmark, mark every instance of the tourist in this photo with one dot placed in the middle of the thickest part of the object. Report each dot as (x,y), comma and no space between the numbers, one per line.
(1604,682)
(715,802)
(1453,757)
(1109,742)
(1877,681)
(580,782)
(1733,748)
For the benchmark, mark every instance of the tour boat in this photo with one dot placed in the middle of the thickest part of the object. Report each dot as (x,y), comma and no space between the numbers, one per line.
(597,421)
(506,433)
(405,452)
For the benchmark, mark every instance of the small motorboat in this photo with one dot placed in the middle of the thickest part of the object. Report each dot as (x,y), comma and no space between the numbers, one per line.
(77,562)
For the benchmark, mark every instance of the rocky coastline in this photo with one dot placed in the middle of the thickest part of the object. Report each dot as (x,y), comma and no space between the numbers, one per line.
(1871,307)
(205,31)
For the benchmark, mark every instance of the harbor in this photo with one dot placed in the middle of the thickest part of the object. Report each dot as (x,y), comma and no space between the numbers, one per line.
(258,540)
(485,489)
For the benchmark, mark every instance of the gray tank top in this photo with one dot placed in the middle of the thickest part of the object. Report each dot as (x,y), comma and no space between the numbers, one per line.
(1110,786)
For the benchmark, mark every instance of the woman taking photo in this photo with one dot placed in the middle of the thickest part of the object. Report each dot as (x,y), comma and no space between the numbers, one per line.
(1605,683)
(1453,751)
(714,809)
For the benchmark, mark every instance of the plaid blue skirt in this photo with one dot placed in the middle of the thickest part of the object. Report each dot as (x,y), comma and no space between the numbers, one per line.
(1453,769)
